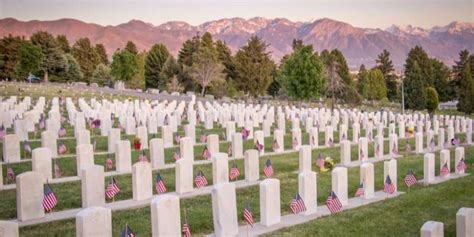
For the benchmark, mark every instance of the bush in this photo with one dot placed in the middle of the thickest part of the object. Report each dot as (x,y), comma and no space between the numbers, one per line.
(432,100)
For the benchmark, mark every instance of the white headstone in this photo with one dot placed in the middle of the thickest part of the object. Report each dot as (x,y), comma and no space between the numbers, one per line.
(165,216)
(367,178)
(224,210)
(432,229)
(270,213)
(339,184)
(307,189)
(141,176)
(184,176)
(428,168)
(41,162)
(464,222)
(94,221)
(123,156)
(251,165)
(29,196)
(92,185)
(220,168)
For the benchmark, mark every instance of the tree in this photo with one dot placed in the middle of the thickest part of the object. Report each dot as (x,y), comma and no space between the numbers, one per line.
(54,63)
(29,60)
(138,80)
(131,48)
(73,72)
(375,88)
(254,67)
(432,100)
(206,68)
(335,84)
(225,56)
(101,75)
(385,65)
(345,91)
(418,55)
(302,74)
(174,85)
(361,78)
(9,48)
(100,50)
(124,65)
(458,71)
(466,92)
(154,64)
(414,88)
(440,79)
(185,60)
(86,56)
(63,43)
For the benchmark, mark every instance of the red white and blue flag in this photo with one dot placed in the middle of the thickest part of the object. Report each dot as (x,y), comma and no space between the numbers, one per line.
(248,216)
(259,146)
(410,178)
(49,198)
(444,170)
(388,186)
(112,189)
(295,143)
(333,203)
(360,190)
(200,180)
(160,184)
(268,169)
(62,149)
(177,155)
(186,230)
(234,172)
(320,161)
(127,232)
(275,145)
(297,204)
(461,166)
(205,153)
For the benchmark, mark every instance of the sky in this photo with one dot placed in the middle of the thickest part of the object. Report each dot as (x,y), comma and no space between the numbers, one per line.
(360,13)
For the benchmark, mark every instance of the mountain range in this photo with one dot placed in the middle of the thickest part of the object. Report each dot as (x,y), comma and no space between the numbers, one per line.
(359,45)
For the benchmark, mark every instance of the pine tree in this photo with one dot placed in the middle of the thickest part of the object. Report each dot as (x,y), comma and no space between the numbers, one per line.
(375,88)
(466,91)
(458,70)
(86,56)
(54,63)
(131,48)
(185,59)
(102,75)
(385,65)
(361,78)
(138,79)
(100,50)
(414,87)
(73,72)
(124,65)
(63,43)
(418,55)
(29,60)
(254,67)
(432,99)
(225,56)
(154,64)
(9,48)
(440,79)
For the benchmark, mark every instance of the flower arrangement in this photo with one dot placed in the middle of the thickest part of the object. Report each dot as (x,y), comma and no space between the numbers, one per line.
(328,165)
(137,143)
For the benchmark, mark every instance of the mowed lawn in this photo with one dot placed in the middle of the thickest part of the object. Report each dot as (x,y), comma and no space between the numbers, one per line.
(401,216)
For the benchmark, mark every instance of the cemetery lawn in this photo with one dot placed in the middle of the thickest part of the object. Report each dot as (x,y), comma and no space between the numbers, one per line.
(401,216)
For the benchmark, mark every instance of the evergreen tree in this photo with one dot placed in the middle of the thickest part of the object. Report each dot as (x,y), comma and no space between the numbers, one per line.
(54,63)
(225,56)
(418,55)
(458,70)
(29,60)
(63,43)
(154,64)
(254,67)
(466,91)
(432,100)
(131,48)
(100,50)
(414,88)
(185,59)
(361,78)
(73,72)
(385,65)
(374,88)
(138,80)
(102,76)
(302,73)
(85,54)
(124,65)
(440,79)
(9,48)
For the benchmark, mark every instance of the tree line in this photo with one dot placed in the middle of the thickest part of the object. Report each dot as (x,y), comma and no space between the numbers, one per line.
(207,66)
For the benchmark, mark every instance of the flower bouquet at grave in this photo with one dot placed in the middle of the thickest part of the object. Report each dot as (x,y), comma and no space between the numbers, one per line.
(328,164)
(137,143)
(410,132)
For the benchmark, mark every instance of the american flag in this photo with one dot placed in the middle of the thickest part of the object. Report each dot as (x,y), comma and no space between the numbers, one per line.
(10,173)
(245,133)
(388,186)
(206,154)
(320,161)
(444,170)
(27,147)
(461,166)
(248,215)
(62,131)
(268,169)
(410,178)
(112,189)
(234,172)
(49,199)
(333,203)
(176,155)
(297,204)
(229,150)
(62,149)
(361,154)
(57,171)
(275,145)
(127,232)
(160,184)
(109,164)
(259,146)
(360,190)
(177,139)
(394,149)
(185,230)
(295,143)
(142,157)
(3,132)
(200,180)
(203,137)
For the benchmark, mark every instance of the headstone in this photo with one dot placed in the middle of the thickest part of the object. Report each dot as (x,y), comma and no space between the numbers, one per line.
(48,140)
(142,134)
(167,136)
(339,184)
(230,129)
(432,229)
(84,157)
(237,147)
(184,176)
(445,159)
(329,135)
(165,216)
(270,213)
(29,196)
(378,146)
(441,139)
(41,162)
(367,178)
(296,139)
(464,222)
(130,126)
(458,155)
(314,137)
(190,131)
(355,132)
(419,142)
(220,168)
(157,153)
(113,137)
(9,229)
(11,148)
(83,137)
(92,185)
(94,221)
(307,189)
(123,156)
(213,143)
(305,158)
(224,210)
(141,176)
(345,152)
(390,169)
(363,151)
(428,168)
(251,165)
(393,145)
(278,136)
(186,148)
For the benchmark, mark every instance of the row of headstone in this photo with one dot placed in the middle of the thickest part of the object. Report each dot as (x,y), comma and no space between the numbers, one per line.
(464,225)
